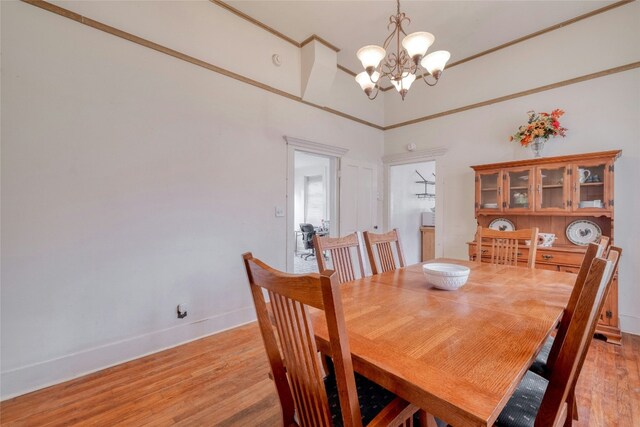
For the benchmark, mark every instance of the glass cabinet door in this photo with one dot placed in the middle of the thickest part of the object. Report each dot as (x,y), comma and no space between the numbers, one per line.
(489,191)
(551,187)
(519,189)
(590,186)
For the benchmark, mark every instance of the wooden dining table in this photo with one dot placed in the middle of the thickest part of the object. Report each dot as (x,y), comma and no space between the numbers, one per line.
(458,355)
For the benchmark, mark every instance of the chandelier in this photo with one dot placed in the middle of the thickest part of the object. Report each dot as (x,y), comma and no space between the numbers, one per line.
(402,66)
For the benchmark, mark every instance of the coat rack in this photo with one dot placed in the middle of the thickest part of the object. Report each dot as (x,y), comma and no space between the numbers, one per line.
(426,194)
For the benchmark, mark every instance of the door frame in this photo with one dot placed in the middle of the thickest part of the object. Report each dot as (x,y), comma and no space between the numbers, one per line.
(334,153)
(429,155)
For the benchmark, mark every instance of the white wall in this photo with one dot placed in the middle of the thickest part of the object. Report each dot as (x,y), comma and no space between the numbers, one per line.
(405,208)
(211,33)
(121,174)
(601,114)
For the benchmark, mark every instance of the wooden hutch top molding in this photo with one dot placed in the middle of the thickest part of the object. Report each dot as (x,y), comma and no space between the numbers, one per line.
(613,154)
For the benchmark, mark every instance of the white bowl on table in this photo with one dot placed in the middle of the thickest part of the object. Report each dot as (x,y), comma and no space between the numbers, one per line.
(446,276)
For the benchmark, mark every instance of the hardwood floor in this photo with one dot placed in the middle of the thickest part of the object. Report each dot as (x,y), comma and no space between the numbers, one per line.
(222,380)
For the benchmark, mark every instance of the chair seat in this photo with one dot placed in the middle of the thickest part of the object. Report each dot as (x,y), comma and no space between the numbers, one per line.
(372,397)
(539,366)
(522,408)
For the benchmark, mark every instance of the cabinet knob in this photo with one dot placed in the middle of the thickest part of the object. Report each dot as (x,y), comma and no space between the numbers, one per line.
(485,251)
(547,257)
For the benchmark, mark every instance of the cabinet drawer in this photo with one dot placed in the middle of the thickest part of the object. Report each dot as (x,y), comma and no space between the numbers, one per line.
(543,256)
(541,266)
(573,259)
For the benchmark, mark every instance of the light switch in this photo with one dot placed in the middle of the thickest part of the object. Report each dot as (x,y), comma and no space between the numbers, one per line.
(279,211)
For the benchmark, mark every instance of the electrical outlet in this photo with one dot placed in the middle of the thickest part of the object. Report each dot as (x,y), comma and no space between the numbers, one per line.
(182,311)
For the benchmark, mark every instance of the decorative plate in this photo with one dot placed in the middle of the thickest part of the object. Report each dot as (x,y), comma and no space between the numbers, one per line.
(502,224)
(583,232)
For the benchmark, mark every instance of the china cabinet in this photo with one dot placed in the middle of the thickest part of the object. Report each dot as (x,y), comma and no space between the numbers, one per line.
(551,194)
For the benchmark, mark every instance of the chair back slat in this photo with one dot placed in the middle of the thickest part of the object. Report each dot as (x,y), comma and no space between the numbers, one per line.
(553,410)
(505,245)
(299,348)
(603,245)
(299,381)
(340,250)
(382,243)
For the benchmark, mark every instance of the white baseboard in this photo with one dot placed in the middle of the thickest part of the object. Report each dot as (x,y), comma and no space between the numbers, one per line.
(25,379)
(630,324)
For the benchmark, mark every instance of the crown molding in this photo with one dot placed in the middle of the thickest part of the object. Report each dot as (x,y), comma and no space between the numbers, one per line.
(184,57)
(255,22)
(532,35)
(346,70)
(316,147)
(179,55)
(277,33)
(543,31)
(319,40)
(568,82)
(453,64)
(414,156)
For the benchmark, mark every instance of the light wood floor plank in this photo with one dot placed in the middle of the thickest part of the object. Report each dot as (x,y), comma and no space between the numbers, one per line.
(222,380)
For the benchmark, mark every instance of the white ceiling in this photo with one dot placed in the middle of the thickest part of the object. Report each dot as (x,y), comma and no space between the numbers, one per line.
(462,27)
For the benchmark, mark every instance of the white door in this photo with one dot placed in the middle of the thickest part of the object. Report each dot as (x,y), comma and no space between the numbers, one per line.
(358,196)
(358,200)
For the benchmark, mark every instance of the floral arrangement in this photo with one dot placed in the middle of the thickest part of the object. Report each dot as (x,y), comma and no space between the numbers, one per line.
(539,125)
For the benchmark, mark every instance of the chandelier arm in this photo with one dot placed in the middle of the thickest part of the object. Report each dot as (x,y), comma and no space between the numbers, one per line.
(377,90)
(424,77)
(380,72)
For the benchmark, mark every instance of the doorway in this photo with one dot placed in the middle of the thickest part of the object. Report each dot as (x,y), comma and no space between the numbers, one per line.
(314,210)
(412,204)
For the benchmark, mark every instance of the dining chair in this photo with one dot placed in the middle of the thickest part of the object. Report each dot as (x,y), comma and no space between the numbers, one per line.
(614,256)
(538,402)
(549,352)
(382,243)
(306,399)
(543,364)
(505,245)
(340,250)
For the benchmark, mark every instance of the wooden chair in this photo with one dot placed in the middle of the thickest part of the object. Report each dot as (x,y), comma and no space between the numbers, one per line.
(540,403)
(340,250)
(304,395)
(505,245)
(383,244)
(546,358)
(549,353)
